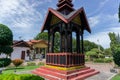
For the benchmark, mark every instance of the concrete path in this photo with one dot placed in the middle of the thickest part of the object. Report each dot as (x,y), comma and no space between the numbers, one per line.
(104,69)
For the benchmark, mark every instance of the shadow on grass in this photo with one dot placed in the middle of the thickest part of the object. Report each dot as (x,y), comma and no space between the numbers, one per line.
(13,68)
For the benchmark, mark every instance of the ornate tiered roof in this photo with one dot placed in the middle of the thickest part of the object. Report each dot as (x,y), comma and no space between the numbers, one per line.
(65,6)
(66,13)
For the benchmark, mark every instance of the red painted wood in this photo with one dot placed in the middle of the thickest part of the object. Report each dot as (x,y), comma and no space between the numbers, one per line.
(70,59)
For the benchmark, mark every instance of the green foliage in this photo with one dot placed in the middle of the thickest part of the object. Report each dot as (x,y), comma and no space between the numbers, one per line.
(19,77)
(116,77)
(90,45)
(31,64)
(41,63)
(6,49)
(116,55)
(74,44)
(86,59)
(108,60)
(115,47)
(91,55)
(108,52)
(57,42)
(4,62)
(44,36)
(94,53)
(17,62)
(99,60)
(103,60)
(6,39)
(101,55)
(114,41)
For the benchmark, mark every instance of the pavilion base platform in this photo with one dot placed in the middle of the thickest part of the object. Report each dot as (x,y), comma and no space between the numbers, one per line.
(55,74)
(65,66)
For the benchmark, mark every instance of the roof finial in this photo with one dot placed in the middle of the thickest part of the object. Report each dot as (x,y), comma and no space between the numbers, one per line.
(65,0)
(65,6)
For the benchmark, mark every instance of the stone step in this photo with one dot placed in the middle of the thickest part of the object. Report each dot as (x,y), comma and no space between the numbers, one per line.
(79,73)
(82,77)
(45,71)
(50,77)
(71,75)
(56,75)
(64,72)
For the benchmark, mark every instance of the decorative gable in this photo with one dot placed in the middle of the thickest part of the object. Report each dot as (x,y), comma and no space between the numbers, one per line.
(77,20)
(54,20)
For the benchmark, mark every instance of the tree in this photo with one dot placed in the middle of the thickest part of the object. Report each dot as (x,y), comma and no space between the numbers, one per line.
(115,47)
(6,39)
(90,45)
(44,36)
(73,44)
(94,54)
(17,62)
(108,52)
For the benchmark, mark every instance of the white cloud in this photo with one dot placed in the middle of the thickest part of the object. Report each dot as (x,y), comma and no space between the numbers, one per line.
(102,37)
(22,16)
(115,29)
(102,4)
(94,21)
(104,18)
(109,24)
(113,17)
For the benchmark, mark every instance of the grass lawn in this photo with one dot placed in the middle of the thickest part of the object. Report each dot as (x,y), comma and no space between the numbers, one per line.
(20,77)
(117,77)
(21,68)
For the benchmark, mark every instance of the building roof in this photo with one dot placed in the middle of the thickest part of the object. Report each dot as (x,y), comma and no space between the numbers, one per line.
(66,18)
(32,42)
(65,5)
(20,43)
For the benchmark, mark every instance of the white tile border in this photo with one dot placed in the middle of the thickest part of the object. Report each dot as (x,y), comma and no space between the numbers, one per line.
(111,77)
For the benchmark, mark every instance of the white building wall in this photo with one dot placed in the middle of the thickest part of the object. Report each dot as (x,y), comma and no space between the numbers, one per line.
(17,51)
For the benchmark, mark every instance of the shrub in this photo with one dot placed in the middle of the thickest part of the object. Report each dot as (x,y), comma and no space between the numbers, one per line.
(17,62)
(31,64)
(19,77)
(6,39)
(108,60)
(4,62)
(103,60)
(101,56)
(86,59)
(99,60)
(41,63)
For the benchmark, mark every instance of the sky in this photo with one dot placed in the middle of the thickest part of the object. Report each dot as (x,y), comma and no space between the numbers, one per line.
(25,17)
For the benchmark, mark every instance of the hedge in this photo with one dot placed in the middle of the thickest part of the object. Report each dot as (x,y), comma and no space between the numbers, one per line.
(103,60)
(20,77)
(4,62)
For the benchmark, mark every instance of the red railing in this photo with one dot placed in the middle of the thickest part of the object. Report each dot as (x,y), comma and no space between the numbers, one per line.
(65,59)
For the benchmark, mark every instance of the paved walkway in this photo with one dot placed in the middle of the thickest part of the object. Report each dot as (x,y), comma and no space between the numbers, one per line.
(104,69)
